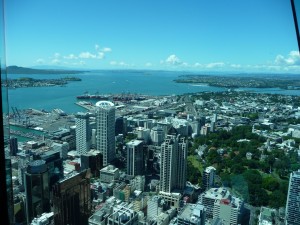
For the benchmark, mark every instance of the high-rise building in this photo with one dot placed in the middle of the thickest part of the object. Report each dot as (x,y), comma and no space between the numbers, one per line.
(37,189)
(105,119)
(83,134)
(219,203)
(293,200)
(93,161)
(13,146)
(120,126)
(62,148)
(72,199)
(208,177)
(135,158)
(54,164)
(157,135)
(181,164)
(173,164)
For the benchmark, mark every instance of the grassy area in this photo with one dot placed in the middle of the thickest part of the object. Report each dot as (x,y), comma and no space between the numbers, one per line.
(195,162)
(273,175)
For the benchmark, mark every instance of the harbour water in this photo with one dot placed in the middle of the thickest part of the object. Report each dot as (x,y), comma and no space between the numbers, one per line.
(108,82)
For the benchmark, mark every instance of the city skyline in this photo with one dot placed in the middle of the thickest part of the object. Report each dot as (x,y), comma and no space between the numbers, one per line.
(253,36)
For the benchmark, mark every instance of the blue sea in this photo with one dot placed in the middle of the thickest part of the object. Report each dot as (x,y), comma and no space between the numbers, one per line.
(108,82)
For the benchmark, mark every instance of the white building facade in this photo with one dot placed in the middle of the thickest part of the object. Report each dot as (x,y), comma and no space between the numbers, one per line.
(83,135)
(105,122)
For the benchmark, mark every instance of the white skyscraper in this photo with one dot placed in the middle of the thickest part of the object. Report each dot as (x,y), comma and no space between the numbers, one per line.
(83,135)
(105,119)
(173,164)
(157,135)
(293,200)
(208,177)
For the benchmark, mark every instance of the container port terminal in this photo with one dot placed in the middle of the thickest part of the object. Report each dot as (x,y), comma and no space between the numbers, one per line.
(48,122)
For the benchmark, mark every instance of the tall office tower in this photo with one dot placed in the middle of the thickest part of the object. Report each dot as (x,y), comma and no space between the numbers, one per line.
(135,158)
(119,128)
(72,199)
(93,161)
(37,189)
(93,139)
(83,134)
(173,164)
(157,135)
(105,118)
(214,117)
(293,200)
(13,146)
(62,148)
(208,177)
(54,164)
(181,164)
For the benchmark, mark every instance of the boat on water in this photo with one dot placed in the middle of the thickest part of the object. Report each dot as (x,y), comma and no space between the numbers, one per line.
(88,96)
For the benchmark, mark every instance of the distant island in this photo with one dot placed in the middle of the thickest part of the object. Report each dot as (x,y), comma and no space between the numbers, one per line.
(24,70)
(240,81)
(24,82)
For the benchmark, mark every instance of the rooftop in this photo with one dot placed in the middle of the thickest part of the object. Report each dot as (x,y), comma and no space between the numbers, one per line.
(209,169)
(104,104)
(134,142)
(191,212)
(109,168)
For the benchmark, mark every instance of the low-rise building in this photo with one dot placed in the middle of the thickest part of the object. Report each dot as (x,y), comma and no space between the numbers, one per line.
(191,214)
(123,214)
(109,174)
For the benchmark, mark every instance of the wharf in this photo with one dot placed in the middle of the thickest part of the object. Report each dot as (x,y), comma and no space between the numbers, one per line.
(86,105)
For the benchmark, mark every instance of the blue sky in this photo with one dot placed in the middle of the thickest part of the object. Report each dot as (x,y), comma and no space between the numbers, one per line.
(219,35)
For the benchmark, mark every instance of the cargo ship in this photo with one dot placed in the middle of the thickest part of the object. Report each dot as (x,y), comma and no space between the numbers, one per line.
(115,97)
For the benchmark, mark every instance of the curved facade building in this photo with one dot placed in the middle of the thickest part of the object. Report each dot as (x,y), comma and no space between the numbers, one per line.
(37,189)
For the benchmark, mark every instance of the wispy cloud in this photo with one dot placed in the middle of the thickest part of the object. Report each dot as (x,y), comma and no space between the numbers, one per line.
(121,64)
(215,65)
(40,61)
(86,55)
(106,49)
(148,64)
(198,64)
(55,61)
(56,55)
(100,55)
(236,66)
(71,56)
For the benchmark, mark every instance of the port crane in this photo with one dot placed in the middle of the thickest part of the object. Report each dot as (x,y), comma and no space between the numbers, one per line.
(16,114)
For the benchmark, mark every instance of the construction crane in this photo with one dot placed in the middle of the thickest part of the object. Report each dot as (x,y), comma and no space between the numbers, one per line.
(19,116)
(14,113)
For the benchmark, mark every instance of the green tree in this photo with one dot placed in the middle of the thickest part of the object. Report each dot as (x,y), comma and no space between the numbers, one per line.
(270,183)
(277,199)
